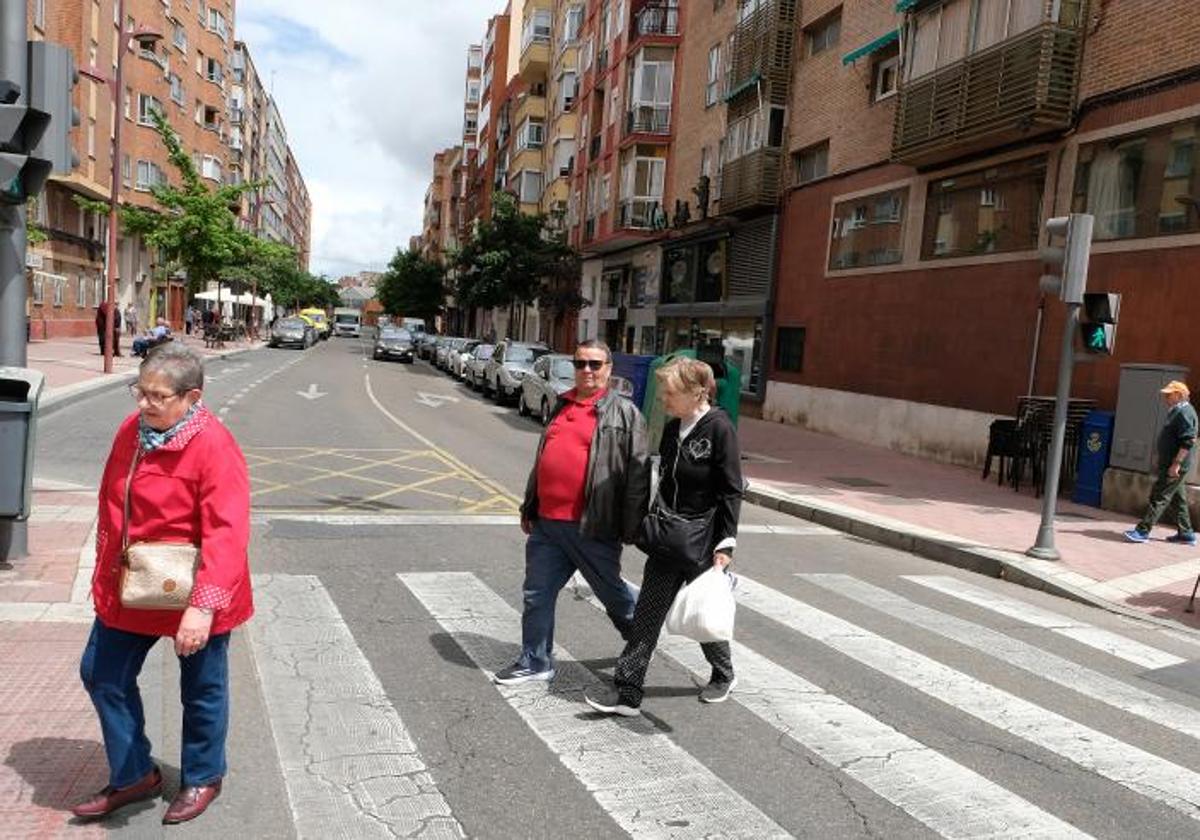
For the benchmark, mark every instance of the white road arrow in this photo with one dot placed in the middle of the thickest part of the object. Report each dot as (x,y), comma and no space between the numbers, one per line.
(434,400)
(312,393)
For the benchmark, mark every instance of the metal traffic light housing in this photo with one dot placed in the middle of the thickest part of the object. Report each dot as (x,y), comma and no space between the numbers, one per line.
(1098,325)
(1066,266)
(21,128)
(52,80)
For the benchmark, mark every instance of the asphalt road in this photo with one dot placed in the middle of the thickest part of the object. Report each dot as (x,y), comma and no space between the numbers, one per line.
(881,695)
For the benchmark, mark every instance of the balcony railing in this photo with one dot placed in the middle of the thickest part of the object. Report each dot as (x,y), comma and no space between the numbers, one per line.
(648,119)
(1017,89)
(639,213)
(658,19)
(753,180)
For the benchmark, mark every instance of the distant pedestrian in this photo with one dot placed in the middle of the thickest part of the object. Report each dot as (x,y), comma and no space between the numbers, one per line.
(131,318)
(189,317)
(586,494)
(701,475)
(175,475)
(1176,441)
(102,326)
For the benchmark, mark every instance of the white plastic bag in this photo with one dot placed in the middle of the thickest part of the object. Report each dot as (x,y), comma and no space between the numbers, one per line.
(703,609)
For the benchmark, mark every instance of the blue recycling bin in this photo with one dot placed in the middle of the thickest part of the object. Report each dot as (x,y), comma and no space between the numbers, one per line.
(1095,444)
(636,371)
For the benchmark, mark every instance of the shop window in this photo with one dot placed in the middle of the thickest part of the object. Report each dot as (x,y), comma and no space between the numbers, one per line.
(1140,185)
(988,211)
(678,275)
(710,271)
(789,349)
(869,230)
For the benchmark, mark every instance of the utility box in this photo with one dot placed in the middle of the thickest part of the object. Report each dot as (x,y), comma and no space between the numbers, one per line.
(20,389)
(1140,414)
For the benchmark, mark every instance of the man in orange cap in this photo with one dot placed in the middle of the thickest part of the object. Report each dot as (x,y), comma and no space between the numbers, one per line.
(1175,444)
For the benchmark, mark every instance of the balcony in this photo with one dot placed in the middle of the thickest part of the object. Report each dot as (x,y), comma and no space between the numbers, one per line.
(656,19)
(648,119)
(1015,90)
(638,213)
(235,116)
(535,57)
(752,180)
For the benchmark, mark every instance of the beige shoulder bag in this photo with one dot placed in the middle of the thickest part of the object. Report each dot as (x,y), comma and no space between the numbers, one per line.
(154,575)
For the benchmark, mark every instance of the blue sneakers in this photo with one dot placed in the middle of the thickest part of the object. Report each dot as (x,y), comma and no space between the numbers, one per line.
(1183,539)
(1136,536)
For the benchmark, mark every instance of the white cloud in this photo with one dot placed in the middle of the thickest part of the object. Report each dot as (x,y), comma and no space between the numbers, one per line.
(369,91)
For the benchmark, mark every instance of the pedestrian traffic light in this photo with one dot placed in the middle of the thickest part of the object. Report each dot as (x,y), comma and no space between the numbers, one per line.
(1098,327)
(21,127)
(1066,265)
(52,80)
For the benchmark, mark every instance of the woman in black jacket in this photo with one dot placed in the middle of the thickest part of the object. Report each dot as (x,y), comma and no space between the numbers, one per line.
(701,472)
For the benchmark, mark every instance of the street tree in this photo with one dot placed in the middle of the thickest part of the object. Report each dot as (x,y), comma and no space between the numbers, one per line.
(412,286)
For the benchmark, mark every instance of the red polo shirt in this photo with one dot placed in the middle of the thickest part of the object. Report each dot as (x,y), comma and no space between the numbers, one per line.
(562,468)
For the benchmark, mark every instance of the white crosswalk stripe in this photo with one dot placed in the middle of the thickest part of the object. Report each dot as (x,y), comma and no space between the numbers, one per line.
(1082,632)
(1127,765)
(1027,657)
(650,786)
(949,798)
(350,767)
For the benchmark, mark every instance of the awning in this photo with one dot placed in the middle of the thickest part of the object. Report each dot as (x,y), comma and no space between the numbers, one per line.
(910,5)
(876,45)
(743,86)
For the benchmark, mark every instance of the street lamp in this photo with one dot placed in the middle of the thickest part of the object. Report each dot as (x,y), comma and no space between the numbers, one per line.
(146,38)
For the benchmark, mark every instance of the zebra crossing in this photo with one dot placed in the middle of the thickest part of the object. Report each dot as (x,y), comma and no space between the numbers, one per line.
(374,782)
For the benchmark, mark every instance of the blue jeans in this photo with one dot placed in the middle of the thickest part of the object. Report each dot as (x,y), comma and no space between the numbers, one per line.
(109,669)
(554,550)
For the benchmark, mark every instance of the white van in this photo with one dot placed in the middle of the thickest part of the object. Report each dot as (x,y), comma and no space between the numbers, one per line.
(347,321)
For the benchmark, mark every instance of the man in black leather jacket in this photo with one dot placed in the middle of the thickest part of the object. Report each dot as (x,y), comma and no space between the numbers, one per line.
(587,493)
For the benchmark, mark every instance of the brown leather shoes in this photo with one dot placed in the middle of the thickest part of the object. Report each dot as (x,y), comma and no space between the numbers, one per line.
(191,802)
(104,802)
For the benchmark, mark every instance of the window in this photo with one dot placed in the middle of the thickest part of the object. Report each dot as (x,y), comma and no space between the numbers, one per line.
(126,169)
(472,90)
(572,24)
(529,186)
(642,182)
(712,87)
(213,70)
(98,292)
(568,89)
(531,135)
(148,175)
(564,157)
(1141,185)
(868,231)
(536,29)
(176,89)
(949,31)
(39,289)
(884,75)
(148,105)
(179,37)
(811,163)
(789,349)
(474,58)
(128,103)
(216,22)
(985,212)
(824,34)
(650,100)
(470,124)
(82,292)
(60,288)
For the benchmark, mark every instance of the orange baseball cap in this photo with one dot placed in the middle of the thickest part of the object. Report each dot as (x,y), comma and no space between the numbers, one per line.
(1176,387)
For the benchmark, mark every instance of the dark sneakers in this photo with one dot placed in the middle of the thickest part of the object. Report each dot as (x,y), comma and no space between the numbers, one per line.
(517,673)
(610,701)
(1183,539)
(717,692)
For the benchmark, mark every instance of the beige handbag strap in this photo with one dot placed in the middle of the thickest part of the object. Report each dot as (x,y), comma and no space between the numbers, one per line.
(137,456)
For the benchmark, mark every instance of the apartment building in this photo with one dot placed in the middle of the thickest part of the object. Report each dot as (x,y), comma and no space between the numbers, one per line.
(907,310)
(298,220)
(438,235)
(491,134)
(248,130)
(472,92)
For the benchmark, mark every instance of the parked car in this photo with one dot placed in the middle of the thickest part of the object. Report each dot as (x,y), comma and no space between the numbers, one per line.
(476,364)
(320,319)
(413,325)
(428,348)
(347,322)
(293,332)
(394,343)
(441,356)
(508,366)
(551,377)
(458,359)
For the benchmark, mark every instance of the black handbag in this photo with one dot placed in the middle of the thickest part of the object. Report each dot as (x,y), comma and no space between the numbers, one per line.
(684,540)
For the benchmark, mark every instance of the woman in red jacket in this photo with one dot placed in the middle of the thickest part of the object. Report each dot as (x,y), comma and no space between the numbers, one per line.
(190,485)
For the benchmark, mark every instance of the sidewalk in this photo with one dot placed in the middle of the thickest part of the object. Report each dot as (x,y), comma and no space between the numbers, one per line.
(49,736)
(949,514)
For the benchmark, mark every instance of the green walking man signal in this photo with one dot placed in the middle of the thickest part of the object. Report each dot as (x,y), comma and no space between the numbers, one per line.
(1098,326)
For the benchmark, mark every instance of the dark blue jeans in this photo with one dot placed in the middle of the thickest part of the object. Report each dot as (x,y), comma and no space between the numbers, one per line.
(109,669)
(553,552)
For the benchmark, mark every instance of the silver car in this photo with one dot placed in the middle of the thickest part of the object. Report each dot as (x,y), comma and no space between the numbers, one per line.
(475,365)
(458,358)
(442,352)
(551,377)
(508,366)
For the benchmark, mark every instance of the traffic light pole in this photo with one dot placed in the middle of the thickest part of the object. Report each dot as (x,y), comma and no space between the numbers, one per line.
(13,534)
(1043,548)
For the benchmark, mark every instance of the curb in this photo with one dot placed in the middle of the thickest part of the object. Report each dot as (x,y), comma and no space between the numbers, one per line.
(70,394)
(940,547)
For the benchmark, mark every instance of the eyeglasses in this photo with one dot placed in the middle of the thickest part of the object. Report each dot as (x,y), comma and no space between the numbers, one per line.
(153,400)
(592,364)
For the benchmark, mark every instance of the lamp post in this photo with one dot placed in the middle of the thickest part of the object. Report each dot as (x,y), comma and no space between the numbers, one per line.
(146,38)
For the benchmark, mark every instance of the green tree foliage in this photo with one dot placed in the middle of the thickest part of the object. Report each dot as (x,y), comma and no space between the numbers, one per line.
(412,286)
(516,258)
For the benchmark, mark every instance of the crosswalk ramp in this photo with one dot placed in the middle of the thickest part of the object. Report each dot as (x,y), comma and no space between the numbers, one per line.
(1073,710)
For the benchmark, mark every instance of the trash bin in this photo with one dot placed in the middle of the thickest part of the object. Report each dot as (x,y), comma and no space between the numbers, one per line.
(1095,445)
(636,371)
(20,389)
(729,379)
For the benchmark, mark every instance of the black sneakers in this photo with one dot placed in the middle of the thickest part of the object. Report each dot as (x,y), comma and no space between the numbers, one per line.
(717,692)
(610,701)
(517,673)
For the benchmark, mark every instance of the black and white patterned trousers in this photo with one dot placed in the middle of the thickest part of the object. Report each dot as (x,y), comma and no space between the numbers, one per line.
(661,581)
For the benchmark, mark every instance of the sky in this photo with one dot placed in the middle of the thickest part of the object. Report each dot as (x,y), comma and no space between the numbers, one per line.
(369,90)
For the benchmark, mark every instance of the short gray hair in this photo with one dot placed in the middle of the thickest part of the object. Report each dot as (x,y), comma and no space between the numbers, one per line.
(595,344)
(180,364)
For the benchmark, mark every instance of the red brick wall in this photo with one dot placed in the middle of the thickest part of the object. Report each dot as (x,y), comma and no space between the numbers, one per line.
(1134,40)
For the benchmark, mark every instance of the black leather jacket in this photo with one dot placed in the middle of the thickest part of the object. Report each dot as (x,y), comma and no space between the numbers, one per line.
(617,488)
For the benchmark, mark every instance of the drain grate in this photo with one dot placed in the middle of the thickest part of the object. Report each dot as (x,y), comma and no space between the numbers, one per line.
(854,481)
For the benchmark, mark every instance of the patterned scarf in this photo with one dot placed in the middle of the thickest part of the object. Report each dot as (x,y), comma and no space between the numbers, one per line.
(152,439)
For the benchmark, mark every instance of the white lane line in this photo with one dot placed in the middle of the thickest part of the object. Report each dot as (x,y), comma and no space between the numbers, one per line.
(789,530)
(649,785)
(410,519)
(1133,768)
(1027,657)
(951,799)
(350,767)
(1082,632)
(223,410)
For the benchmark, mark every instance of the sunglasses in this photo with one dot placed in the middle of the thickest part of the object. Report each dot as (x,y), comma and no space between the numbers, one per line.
(593,364)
